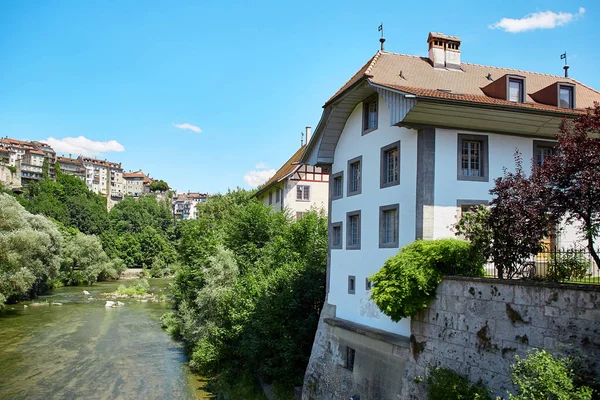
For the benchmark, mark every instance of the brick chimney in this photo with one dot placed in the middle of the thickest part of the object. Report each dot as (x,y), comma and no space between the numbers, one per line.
(444,50)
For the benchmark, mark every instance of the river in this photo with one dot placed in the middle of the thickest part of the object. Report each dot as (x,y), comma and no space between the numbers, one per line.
(82,350)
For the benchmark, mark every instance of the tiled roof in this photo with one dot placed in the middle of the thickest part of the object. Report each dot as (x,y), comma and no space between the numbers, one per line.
(416,75)
(286,169)
(133,175)
(67,160)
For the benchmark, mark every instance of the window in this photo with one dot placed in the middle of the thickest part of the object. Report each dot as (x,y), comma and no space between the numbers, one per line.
(351,284)
(388,226)
(515,90)
(390,165)
(565,97)
(465,206)
(472,158)
(368,284)
(302,193)
(270,198)
(542,150)
(336,235)
(349,358)
(353,230)
(354,176)
(277,196)
(370,114)
(337,185)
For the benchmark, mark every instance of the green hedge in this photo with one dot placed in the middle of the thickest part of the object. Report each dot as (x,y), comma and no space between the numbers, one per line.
(407,281)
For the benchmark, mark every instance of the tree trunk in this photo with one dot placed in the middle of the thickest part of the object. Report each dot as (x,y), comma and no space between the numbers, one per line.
(593,252)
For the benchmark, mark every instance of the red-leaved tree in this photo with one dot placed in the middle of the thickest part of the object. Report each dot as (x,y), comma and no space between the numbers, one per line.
(573,175)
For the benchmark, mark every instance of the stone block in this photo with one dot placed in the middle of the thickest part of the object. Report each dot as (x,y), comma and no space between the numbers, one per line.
(558,297)
(589,300)
(528,295)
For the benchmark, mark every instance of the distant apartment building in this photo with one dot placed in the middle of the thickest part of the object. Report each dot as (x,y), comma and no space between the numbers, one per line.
(134,183)
(184,205)
(28,156)
(71,166)
(296,188)
(32,166)
(103,177)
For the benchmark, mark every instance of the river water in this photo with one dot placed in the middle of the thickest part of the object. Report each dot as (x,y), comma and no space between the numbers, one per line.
(82,350)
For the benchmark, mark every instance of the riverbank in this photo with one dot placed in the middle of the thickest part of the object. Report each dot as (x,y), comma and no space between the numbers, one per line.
(84,350)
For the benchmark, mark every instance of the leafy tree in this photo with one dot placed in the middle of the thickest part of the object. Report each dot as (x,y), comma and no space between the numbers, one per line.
(513,227)
(573,175)
(541,376)
(30,247)
(159,186)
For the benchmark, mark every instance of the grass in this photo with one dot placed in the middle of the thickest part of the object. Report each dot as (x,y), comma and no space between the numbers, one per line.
(139,288)
(590,281)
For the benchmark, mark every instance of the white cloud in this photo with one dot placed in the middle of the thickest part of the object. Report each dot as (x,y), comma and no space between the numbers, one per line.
(537,20)
(261,165)
(189,127)
(82,145)
(257,178)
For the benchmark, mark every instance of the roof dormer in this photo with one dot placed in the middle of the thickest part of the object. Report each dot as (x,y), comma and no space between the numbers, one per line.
(508,87)
(559,94)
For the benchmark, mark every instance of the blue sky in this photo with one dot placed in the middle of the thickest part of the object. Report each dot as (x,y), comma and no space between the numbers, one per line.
(249,75)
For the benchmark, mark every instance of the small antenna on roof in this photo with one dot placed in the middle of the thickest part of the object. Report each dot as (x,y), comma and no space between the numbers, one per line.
(381,39)
(566,67)
(301,139)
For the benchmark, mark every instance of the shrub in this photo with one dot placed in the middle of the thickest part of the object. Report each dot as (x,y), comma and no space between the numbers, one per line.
(445,384)
(407,281)
(541,376)
(139,288)
(569,264)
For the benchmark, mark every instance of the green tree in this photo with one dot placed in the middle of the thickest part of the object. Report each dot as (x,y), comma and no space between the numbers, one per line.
(159,186)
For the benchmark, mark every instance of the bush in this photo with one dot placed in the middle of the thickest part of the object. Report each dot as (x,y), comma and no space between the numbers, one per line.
(139,288)
(445,384)
(541,376)
(569,264)
(407,281)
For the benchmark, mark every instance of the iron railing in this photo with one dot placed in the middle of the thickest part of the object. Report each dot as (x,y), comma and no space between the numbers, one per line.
(561,265)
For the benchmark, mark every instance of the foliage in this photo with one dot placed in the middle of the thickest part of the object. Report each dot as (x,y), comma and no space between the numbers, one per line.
(84,261)
(565,188)
(568,264)
(250,288)
(12,169)
(573,175)
(139,288)
(513,227)
(159,186)
(30,247)
(541,376)
(407,281)
(445,384)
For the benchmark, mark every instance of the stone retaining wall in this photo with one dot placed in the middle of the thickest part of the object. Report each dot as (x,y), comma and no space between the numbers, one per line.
(474,326)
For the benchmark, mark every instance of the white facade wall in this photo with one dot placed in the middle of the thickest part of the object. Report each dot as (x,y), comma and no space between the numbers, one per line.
(448,189)
(370,258)
(318,197)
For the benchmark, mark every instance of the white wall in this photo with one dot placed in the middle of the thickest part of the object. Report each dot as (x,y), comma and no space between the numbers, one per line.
(319,196)
(370,258)
(501,150)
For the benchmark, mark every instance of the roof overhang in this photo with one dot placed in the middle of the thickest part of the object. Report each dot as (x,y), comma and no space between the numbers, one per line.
(483,118)
(284,177)
(414,111)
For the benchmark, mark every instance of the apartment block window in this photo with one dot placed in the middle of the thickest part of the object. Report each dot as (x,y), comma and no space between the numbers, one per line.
(270,198)
(542,150)
(354,176)
(516,90)
(351,284)
(277,196)
(388,226)
(336,235)
(368,284)
(472,157)
(353,230)
(302,193)
(337,185)
(370,108)
(390,165)
(565,97)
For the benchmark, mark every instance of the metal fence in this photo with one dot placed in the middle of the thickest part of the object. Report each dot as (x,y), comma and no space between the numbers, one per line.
(562,265)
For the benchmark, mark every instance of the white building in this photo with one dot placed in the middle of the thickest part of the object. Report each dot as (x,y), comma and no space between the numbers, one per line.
(134,183)
(295,187)
(410,142)
(184,205)
(72,166)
